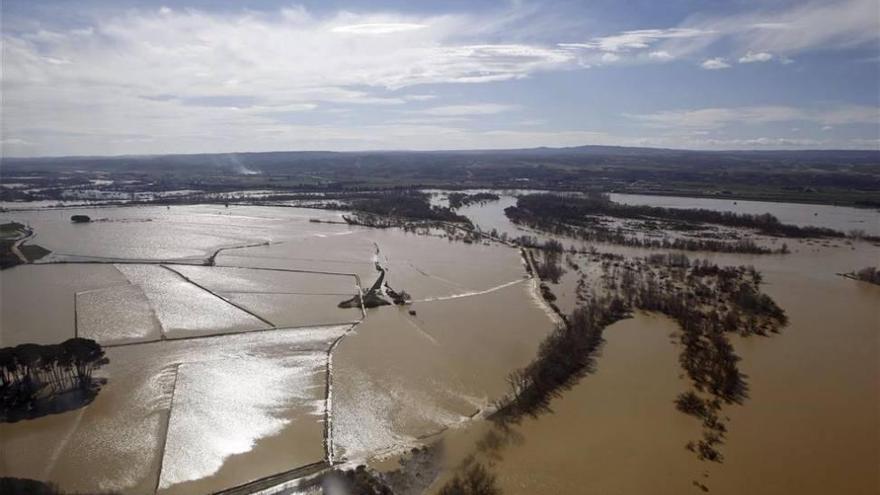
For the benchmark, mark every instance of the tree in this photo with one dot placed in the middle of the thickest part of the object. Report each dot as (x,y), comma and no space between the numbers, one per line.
(476,480)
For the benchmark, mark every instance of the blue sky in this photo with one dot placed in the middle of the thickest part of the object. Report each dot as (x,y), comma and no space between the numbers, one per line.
(135,77)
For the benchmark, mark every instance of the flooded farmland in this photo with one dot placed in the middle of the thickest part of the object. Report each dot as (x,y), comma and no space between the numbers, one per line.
(189,345)
(230,360)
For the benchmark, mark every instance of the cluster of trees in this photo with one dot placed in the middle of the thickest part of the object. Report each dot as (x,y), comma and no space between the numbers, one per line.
(359,480)
(868,274)
(457,199)
(586,229)
(398,297)
(373,221)
(29,372)
(566,355)
(549,264)
(707,302)
(575,208)
(406,203)
(474,479)
(417,472)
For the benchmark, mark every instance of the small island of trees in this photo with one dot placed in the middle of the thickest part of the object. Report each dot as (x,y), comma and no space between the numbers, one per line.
(36,380)
(586,217)
(868,274)
(458,200)
(706,300)
(80,219)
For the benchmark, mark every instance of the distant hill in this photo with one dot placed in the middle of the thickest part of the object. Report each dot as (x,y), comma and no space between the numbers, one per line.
(577,157)
(821,176)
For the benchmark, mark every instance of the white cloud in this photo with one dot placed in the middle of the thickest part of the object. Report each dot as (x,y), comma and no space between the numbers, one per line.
(133,74)
(763,142)
(576,45)
(763,33)
(127,82)
(862,143)
(850,114)
(660,55)
(474,109)
(425,97)
(378,28)
(715,63)
(714,118)
(752,57)
(610,57)
(15,141)
(642,38)
(802,26)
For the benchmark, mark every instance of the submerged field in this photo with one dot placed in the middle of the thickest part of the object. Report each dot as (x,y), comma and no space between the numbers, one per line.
(231,361)
(223,374)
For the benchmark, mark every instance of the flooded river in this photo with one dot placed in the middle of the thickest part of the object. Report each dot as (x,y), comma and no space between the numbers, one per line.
(223,374)
(811,424)
(842,218)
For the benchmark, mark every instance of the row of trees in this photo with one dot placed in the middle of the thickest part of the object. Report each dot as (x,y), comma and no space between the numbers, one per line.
(29,372)
(457,199)
(412,204)
(707,301)
(549,264)
(566,355)
(568,208)
(591,231)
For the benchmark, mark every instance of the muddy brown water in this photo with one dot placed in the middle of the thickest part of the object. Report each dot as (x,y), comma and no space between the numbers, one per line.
(809,426)
(202,414)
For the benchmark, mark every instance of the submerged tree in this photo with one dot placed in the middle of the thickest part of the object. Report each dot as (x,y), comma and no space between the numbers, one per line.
(474,480)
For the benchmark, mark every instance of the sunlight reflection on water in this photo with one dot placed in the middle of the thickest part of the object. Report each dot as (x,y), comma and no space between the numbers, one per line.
(211,419)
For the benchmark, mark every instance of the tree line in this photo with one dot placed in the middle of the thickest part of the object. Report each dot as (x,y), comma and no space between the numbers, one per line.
(457,199)
(411,204)
(590,230)
(706,300)
(575,208)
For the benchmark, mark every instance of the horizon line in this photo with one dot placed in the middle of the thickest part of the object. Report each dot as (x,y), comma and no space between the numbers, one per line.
(456,150)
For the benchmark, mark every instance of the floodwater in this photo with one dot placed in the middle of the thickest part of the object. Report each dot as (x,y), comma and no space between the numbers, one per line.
(840,218)
(37,302)
(159,233)
(214,382)
(184,309)
(116,315)
(400,377)
(207,411)
(615,432)
(810,426)
(117,442)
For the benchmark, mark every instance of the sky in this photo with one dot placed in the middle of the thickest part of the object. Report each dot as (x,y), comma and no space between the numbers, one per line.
(134,77)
